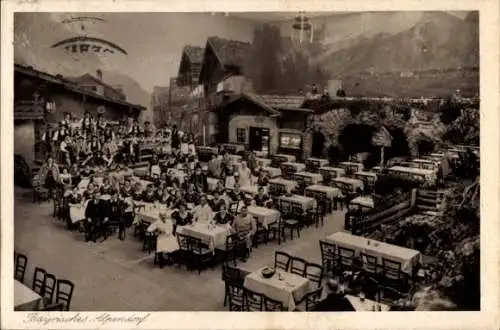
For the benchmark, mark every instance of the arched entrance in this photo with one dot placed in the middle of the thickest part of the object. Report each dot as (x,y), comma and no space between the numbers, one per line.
(318,143)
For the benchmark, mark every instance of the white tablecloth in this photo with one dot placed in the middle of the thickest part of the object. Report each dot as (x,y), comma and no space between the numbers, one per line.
(289,158)
(151,214)
(288,288)
(319,161)
(365,201)
(315,177)
(273,172)
(24,296)
(307,203)
(407,257)
(354,166)
(332,172)
(212,183)
(366,305)
(297,167)
(264,215)
(211,236)
(331,192)
(264,161)
(353,183)
(288,184)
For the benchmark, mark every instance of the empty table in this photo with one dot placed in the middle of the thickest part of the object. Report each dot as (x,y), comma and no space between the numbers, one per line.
(305,202)
(288,185)
(282,286)
(316,163)
(331,172)
(354,167)
(313,177)
(264,215)
(330,192)
(407,257)
(272,172)
(354,184)
(25,298)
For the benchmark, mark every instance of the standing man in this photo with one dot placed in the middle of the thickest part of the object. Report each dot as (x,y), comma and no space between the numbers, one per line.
(245,227)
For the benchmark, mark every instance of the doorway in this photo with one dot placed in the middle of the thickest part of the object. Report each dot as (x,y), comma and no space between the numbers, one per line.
(258,139)
(318,142)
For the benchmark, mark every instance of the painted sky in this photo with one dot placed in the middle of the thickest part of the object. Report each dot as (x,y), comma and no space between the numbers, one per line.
(154,40)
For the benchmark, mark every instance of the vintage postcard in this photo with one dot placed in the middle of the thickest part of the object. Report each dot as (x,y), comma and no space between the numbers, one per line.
(181,164)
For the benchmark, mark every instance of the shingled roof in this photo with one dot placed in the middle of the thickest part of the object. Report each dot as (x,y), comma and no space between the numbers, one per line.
(229,52)
(194,53)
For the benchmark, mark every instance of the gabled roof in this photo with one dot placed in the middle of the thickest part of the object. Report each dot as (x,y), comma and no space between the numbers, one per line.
(194,53)
(70,85)
(254,98)
(88,76)
(229,52)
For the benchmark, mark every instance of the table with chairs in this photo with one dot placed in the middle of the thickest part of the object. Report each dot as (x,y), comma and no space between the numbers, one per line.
(272,172)
(281,186)
(290,168)
(330,195)
(264,162)
(45,292)
(328,173)
(352,167)
(278,159)
(314,164)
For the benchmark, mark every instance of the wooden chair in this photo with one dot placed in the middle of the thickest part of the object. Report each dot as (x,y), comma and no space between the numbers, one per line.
(230,276)
(371,288)
(236,295)
(314,273)
(298,266)
(64,293)
(53,307)
(271,305)
(201,255)
(49,285)
(391,269)
(346,257)
(282,260)
(184,253)
(311,299)
(39,280)
(277,230)
(328,256)
(370,264)
(228,252)
(254,302)
(20,267)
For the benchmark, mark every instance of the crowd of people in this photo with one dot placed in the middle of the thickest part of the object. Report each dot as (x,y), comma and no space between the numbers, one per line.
(175,180)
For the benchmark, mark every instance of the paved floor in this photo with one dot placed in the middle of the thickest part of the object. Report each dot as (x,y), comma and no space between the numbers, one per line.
(117,275)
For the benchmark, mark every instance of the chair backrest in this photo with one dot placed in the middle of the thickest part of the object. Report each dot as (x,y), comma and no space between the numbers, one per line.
(371,288)
(285,207)
(388,295)
(327,253)
(231,241)
(254,301)
(183,241)
(391,269)
(282,260)
(233,208)
(236,297)
(195,245)
(271,305)
(49,286)
(230,274)
(314,273)
(64,292)
(39,280)
(53,307)
(313,298)
(369,262)
(20,267)
(346,255)
(298,266)
(297,210)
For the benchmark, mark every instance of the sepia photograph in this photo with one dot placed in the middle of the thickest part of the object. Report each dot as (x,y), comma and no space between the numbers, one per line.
(282,161)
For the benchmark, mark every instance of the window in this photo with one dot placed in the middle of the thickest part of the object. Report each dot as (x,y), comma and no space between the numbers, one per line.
(290,140)
(241,135)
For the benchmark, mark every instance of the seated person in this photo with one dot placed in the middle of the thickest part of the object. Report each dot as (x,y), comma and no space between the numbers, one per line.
(94,147)
(222,216)
(149,196)
(245,226)
(202,213)
(199,179)
(217,202)
(181,217)
(263,179)
(86,172)
(126,189)
(191,196)
(154,167)
(65,178)
(164,196)
(65,150)
(214,167)
(236,194)
(75,173)
(335,301)
(261,199)
(106,188)
(137,192)
(89,192)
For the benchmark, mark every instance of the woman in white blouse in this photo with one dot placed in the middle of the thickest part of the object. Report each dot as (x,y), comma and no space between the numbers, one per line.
(245,175)
(166,242)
